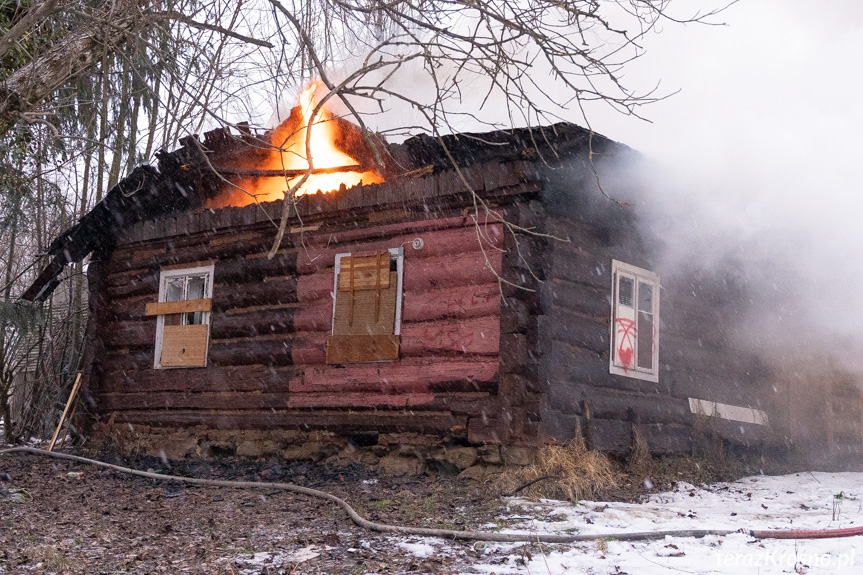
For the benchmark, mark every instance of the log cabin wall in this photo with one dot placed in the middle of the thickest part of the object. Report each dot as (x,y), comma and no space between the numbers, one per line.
(697,357)
(270,317)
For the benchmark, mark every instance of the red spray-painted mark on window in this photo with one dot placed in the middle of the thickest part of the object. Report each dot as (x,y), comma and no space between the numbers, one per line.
(626,332)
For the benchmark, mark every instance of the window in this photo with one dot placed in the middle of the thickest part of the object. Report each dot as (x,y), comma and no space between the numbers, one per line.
(635,325)
(183,322)
(367,294)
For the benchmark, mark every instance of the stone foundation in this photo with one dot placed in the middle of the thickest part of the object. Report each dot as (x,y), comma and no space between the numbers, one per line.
(390,453)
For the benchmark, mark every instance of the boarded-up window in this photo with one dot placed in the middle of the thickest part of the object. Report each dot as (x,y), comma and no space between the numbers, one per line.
(183,322)
(635,329)
(367,307)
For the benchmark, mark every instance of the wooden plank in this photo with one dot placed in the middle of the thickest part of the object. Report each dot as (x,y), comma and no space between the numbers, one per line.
(337,421)
(356,348)
(366,312)
(365,273)
(184,345)
(184,306)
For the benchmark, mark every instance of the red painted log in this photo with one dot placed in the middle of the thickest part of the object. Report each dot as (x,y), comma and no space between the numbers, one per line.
(469,336)
(436,243)
(315,317)
(457,302)
(440,272)
(450,271)
(310,350)
(408,375)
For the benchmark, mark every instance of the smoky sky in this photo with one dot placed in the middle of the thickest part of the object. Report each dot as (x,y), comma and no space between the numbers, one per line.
(758,159)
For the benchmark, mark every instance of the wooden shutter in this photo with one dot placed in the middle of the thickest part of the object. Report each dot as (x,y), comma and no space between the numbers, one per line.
(184,345)
(364,311)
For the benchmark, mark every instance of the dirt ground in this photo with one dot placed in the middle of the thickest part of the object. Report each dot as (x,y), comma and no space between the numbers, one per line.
(65,517)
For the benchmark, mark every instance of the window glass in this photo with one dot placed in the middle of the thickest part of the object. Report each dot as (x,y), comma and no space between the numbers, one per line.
(624,291)
(645,297)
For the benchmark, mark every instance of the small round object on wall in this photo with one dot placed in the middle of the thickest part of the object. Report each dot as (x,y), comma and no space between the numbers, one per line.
(418,243)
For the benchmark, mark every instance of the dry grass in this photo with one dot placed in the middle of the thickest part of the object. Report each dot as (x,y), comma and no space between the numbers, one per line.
(573,471)
(640,462)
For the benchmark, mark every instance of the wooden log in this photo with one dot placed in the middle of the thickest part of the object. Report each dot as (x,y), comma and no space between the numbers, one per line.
(352,234)
(263,351)
(196,249)
(577,331)
(589,300)
(483,430)
(243,270)
(311,349)
(515,316)
(667,438)
(468,268)
(461,403)
(441,423)
(517,355)
(145,282)
(187,400)
(435,243)
(577,266)
(456,302)
(129,359)
(469,336)
(131,334)
(279,290)
(266,321)
(575,365)
(261,378)
(405,376)
(618,404)
(608,435)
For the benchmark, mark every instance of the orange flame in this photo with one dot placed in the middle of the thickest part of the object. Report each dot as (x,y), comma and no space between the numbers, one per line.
(289,141)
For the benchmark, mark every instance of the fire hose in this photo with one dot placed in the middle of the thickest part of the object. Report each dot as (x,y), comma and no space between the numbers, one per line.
(451,533)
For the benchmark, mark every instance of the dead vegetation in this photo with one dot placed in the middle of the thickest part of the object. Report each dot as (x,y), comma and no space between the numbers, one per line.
(569,471)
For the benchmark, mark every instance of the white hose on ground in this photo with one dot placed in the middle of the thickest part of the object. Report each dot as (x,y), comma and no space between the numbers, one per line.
(445,533)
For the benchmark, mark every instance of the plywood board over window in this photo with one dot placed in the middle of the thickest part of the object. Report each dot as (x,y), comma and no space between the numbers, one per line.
(183,317)
(367,307)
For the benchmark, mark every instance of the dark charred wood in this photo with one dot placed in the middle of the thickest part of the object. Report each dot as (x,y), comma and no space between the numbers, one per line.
(261,378)
(440,423)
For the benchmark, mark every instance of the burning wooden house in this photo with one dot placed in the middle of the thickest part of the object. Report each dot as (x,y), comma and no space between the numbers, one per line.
(414,308)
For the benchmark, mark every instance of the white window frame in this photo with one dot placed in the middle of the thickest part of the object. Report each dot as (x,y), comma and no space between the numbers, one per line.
(164,276)
(399,254)
(616,366)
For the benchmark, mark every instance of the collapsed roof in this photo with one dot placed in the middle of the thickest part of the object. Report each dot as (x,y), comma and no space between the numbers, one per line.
(198,171)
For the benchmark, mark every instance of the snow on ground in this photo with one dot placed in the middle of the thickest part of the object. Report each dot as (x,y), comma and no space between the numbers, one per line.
(796,501)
